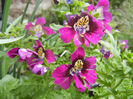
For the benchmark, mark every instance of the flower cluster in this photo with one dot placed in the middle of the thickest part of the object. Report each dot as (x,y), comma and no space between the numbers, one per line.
(85,28)
(34,59)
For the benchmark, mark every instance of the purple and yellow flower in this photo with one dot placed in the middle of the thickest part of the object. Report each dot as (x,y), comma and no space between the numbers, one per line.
(106,52)
(81,71)
(102,8)
(82,29)
(48,54)
(38,56)
(23,53)
(39,29)
(124,43)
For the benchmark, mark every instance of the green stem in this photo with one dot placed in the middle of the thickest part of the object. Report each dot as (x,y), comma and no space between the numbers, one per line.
(19,72)
(1,62)
(14,69)
(26,7)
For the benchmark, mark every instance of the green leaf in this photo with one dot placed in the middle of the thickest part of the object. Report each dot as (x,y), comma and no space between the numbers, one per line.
(6,85)
(13,24)
(56,27)
(5,41)
(5,15)
(26,7)
(2,53)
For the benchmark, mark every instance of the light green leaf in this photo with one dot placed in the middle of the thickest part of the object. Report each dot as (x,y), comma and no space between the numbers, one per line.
(56,27)
(5,41)
(6,85)
(2,53)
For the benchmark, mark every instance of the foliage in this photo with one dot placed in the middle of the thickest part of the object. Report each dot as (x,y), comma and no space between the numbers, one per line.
(115,75)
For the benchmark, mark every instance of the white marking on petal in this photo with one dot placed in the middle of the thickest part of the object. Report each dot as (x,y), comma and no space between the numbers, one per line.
(23,49)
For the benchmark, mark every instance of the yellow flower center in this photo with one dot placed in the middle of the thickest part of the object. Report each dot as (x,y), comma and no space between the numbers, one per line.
(82,25)
(38,28)
(40,52)
(77,66)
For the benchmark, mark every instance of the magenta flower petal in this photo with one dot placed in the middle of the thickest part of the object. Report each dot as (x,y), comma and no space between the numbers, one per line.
(60,80)
(78,54)
(38,43)
(49,56)
(93,38)
(66,84)
(79,84)
(104,4)
(40,20)
(91,7)
(87,43)
(60,76)
(91,60)
(48,30)
(13,52)
(78,41)
(107,16)
(60,71)
(90,76)
(23,53)
(107,27)
(29,26)
(67,34)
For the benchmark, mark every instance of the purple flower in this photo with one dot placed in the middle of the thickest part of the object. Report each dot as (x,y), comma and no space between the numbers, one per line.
(125,43)
(82,29)
(39,69)
(102,8)
(39,29)
(106,52)
(69,2)
(48,54)
(56,2)
(81,71)
(23,53)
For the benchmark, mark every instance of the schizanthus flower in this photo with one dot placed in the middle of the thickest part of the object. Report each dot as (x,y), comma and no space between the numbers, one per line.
(102,8)
(83,29)
(81,71)
(39,29)
(106,52)
(35,58)
(125,43)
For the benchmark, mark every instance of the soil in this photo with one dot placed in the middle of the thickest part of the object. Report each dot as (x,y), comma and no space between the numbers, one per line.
(17,7)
